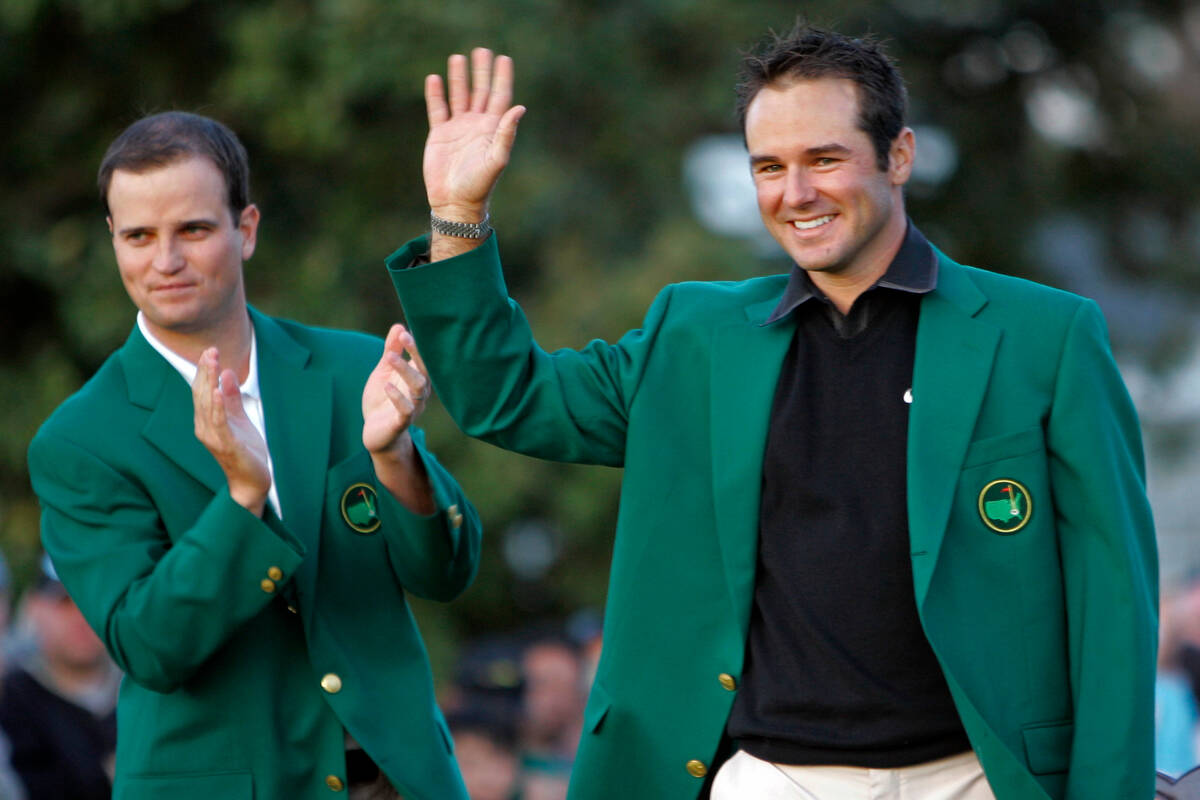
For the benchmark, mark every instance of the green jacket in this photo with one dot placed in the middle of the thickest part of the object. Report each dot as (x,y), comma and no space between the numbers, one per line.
(228,626)
(1046,635)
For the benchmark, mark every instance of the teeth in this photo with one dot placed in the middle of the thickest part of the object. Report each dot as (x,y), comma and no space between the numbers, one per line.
(812,223)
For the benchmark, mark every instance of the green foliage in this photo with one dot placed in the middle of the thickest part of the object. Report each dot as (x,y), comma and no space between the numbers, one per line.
(592,214)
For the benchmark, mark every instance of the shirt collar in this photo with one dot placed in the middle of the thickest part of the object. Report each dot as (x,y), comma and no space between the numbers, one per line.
(188,370)
(914,270)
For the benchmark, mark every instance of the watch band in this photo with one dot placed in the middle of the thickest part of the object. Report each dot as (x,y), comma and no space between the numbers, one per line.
(463,230)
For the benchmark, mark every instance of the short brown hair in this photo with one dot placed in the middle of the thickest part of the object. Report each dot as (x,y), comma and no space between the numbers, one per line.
(808,53)
(161,139)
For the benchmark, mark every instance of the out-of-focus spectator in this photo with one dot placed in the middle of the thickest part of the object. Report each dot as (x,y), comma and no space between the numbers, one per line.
(1187,612)
(11,787)
(487,680)
(551,716)
(1175,708)
(58,700)
(486,747)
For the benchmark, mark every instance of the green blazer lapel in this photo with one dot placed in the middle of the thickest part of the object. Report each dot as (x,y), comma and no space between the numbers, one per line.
(298,407)
(746,358)
(154,385)
(950,377)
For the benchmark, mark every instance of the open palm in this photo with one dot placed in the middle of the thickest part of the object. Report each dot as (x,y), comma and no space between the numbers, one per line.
(471,133)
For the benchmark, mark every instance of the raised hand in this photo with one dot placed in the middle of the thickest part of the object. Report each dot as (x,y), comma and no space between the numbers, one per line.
(222,426)
(471,135)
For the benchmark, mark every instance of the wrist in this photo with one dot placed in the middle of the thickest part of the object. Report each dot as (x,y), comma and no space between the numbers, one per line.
(469,213)
(400,453)
(252,500)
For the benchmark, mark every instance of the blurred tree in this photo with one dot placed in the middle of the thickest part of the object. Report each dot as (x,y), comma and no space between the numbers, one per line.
(1065,135)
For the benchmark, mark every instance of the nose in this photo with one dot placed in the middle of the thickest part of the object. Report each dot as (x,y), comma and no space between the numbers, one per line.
(168,257)
(799,190)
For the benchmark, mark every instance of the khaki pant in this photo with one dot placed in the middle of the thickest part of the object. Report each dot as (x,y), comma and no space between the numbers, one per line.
(744,777)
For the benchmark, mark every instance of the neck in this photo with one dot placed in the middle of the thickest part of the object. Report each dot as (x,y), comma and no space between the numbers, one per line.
(232,340)
(844,286)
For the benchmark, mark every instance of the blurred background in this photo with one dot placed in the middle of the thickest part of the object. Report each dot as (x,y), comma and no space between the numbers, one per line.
(1056,141)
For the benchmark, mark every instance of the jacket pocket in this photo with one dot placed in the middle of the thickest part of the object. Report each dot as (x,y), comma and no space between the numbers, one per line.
(597,709)
(182,786)
(1008,445)
(1048,747)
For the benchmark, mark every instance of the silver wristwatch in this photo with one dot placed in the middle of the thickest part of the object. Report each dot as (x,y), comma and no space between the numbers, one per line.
(463,230)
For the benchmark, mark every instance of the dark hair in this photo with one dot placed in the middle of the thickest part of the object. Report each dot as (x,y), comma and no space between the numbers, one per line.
(161,139)
(807,53)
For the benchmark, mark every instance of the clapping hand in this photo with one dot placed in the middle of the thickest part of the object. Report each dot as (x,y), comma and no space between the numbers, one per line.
(222,426)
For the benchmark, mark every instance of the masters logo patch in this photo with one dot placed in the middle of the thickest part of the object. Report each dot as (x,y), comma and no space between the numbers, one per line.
(1005,506)
(358,508)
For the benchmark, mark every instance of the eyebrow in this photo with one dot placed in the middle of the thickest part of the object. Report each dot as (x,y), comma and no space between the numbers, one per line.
(832,148)
(212,223)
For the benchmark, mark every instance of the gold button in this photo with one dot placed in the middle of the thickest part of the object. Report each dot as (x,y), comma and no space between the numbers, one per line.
(275,574)
(293,609)
(456,519)
(267,585)
(334,783)
(696,768)
(331,683)
(727,681)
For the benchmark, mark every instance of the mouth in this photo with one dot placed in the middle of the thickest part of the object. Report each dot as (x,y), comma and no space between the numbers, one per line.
(810,224)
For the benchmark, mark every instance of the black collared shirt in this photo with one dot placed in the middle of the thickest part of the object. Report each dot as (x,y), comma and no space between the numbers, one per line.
(838,670)
(914,270)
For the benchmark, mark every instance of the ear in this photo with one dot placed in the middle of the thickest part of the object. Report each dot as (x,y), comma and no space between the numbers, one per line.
(108,220)
(900,157)
(248,226)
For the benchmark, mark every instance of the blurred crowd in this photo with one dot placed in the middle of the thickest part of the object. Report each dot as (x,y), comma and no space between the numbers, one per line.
(514,705)
(1177,689)
(57,699)
(515,709)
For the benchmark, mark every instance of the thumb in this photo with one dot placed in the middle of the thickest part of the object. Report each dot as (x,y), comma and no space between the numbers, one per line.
(506,135)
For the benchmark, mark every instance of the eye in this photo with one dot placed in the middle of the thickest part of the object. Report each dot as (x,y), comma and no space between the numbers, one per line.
(196,230)
(137,237)
(768,168)
(825,161)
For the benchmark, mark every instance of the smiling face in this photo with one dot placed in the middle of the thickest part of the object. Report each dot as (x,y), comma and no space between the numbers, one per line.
(821,193)
(180,249)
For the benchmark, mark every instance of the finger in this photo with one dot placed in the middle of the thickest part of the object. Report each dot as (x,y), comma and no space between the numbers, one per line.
(217,421)
(506,136)
(230,394)
(404,374)
(435,100)
(410,380)
(395,338)
(204,388)
(502,86)
(481,78)
(205,374)
(403,404)
(456,77)
(415,356)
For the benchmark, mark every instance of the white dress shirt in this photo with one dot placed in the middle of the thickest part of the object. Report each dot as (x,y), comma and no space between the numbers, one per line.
(251,396)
